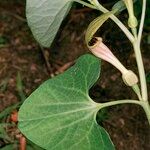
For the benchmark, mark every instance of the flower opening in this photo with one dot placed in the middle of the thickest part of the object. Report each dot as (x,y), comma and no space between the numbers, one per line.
(99,49)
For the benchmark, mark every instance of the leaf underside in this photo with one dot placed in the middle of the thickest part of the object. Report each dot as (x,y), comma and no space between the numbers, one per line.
(44,18)
(60,115)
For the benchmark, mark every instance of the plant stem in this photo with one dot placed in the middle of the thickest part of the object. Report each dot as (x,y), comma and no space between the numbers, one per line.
(116,20)
(137,50)
(108,104)
(136,46)
(144,100)
(137,90)
(146,108)
(139,61)
(142,21)
(143,104)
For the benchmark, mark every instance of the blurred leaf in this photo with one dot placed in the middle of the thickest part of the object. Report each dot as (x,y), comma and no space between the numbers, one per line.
(120,6)
(3,85)
(148,77)
(3,41)
(138,10)
(148,39)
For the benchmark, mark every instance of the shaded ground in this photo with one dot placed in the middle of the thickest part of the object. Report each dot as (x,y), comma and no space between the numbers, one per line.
(127,125)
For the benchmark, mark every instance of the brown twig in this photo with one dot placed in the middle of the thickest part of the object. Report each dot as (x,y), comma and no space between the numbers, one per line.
(14,15)
(64,67)
(46,58)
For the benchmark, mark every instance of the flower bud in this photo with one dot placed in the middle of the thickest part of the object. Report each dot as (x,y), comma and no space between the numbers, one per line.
(132,21)
(99,49)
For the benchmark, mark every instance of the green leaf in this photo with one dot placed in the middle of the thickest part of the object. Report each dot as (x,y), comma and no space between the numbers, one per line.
(44,18)
(120,6)
(60,115)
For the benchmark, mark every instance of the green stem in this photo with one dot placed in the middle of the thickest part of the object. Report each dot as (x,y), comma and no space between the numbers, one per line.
(118,102)
(142,21)
(146,108)
(143,104)
(116,20)
(136,89)
(140,65)
(136,46)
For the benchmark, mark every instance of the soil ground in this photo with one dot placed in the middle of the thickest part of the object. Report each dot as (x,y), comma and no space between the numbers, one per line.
(19,52)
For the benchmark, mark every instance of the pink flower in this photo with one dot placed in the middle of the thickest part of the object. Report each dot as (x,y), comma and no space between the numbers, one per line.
(99,49)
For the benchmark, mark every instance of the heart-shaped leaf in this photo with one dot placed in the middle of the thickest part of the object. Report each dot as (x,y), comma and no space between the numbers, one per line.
(44,18)
(60,115)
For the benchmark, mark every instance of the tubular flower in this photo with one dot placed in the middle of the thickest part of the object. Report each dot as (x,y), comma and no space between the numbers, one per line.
(99,49)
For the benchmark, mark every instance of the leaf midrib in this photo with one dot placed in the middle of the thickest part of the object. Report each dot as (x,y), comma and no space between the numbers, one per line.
(64,113)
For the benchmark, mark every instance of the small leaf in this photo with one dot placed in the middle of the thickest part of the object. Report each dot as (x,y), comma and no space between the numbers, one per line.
(44,18)
(120,6)
(60,115)
(95,25)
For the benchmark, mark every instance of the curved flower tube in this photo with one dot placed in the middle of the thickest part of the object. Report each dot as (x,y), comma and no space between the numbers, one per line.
(99,49)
